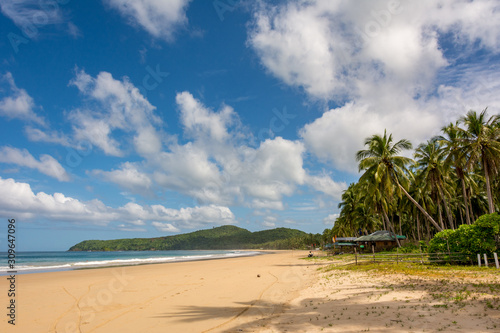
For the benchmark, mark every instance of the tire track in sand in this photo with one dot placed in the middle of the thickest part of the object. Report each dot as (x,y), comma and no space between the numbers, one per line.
(76,305)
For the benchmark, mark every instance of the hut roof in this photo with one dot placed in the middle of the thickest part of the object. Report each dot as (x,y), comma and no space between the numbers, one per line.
(379,236)
(346,239)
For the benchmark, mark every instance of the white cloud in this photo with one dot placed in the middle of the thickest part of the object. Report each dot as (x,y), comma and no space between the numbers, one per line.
(164,227)
(38,135)
(19,105)
(199,122)
(160,18)
(330,219)
(18,199)
(128,177)
(268,204)
(33,15)
(124,227)
(185,167)
(327,185)
(340,133)
(192,217)
(28,13)
(147,141)
(46,165)
(96,131)
(293,42)
(122,107)
(332,49)
(269,222)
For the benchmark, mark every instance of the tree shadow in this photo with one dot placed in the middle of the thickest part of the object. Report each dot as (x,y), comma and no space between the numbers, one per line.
(406,305)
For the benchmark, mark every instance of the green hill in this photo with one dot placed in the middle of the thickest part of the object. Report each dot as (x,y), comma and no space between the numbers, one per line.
(220,238)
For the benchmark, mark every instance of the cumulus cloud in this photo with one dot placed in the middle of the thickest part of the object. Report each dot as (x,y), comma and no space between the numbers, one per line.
(121,107)
(47,164)
(269,222)
(340,132)
(18,105)
(128,177)
(385,64)
(18,199)
(330,219)
(200,122)
(164,227)
(159,18)
(326,47)
(326,185)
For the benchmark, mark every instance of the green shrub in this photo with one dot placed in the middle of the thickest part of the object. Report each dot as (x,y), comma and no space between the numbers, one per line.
(481,237)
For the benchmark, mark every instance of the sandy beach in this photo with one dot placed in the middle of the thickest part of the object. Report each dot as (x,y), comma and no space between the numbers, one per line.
(429,299)
(202,296)
(276,292)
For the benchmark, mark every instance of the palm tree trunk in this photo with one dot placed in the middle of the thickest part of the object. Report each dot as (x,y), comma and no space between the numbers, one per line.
(418,227)
(383,223)
(440,216)
(471,208)
(491,207)
(464,192)
(461,216)
(400,228)
(420,207)
(428,227)
(446,208)
(392,227)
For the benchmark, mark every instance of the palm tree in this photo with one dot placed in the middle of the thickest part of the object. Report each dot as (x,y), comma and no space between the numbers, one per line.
(481,143)
(431,158)
(451,143)
(384,168)
(348,206)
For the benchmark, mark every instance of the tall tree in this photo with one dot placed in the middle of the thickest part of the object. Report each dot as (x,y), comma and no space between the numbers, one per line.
(481,144)
(387,171)
(430,158)
(451,142)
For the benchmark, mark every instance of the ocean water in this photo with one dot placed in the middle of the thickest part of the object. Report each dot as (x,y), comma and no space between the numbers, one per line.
(36,262)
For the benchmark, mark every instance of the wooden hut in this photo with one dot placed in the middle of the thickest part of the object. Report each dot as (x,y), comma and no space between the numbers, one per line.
(379,241)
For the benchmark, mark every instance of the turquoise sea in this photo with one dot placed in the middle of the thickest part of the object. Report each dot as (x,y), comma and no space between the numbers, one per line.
(36,262)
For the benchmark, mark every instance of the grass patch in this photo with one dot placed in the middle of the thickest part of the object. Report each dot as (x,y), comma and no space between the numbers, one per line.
(416,269)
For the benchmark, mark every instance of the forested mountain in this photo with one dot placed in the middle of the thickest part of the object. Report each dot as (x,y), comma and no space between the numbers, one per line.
(220,238)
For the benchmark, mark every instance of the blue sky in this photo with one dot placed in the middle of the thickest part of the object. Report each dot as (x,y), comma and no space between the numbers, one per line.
(124,118)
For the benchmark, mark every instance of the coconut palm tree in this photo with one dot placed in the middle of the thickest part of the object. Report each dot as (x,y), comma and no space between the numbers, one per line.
(430,157)
(386,171)
(481,144)
(451,142)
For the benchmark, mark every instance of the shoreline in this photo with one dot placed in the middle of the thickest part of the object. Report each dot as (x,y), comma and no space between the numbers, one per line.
(68,266)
